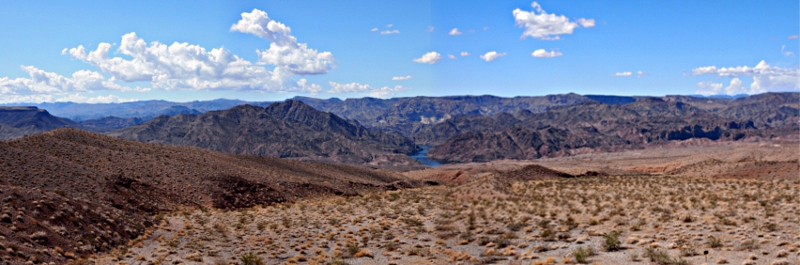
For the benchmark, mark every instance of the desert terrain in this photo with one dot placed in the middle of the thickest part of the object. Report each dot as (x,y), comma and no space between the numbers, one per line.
(740,202)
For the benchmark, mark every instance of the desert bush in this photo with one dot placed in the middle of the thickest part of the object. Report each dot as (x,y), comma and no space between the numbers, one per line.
(611,241)
(581,254)
(251,258)
(714,242)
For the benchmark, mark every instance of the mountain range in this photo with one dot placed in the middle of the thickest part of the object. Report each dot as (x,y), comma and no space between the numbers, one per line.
(383,132)
(591,127)
(289,129)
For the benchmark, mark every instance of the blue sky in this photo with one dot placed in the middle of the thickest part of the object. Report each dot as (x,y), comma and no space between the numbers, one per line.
(201,50)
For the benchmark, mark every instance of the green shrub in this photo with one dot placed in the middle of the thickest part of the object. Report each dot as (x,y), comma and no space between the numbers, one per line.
(250,258)
(611,242)
(581,254)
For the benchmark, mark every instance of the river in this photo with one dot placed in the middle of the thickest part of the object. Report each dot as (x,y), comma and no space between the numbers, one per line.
(422,157)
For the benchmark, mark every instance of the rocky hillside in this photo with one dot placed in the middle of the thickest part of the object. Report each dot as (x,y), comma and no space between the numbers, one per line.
(69,193)
(597,127)
(289,129)
(406,116)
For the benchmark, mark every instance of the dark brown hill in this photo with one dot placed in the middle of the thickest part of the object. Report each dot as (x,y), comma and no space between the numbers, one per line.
(75,186)
(290,129)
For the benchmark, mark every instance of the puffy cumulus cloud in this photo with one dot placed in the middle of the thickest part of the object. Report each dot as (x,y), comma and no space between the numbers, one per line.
(766,78)
(284,51)
(183,66)
(735,87)
(708,88)
(541,53)
(704,70)
(490,56)
(348,88)
(386,92)
(304,86)
(429,58)
(464,54)
(382,92)
(46,86)
(541,25)
(388,32)
(401,78)
(622,74)
(454,32)
(452,57)
(586,23)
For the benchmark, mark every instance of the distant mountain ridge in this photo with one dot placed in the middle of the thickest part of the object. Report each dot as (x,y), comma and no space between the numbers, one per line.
(146,109)
(598,127)
(19,121)
(347,131)
(290,129)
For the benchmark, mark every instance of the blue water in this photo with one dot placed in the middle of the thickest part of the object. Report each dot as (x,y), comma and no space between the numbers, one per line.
(423,158)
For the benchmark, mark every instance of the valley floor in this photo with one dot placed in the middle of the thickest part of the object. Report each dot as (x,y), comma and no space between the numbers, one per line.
(657,220)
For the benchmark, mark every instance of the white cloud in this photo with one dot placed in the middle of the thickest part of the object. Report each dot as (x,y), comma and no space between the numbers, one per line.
(454,32)
(187,66)
(735,87)
(386,92)
(304,86)
(704,70)
(708,88)
(586,23)
(43,82)
(490,56)
(429,58)
(387,32)
(784,52)
(389,25)
(541,25)
(485,28)
(374,29)
(452,57)
(792,37)
(622,74)
(38,98)
(430,28)
(541,53)
(382,92)
(766,78)
(348,88)
(640,74)
(284,51)
(463,54)
(182,66)
(401,78)
(46,86)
